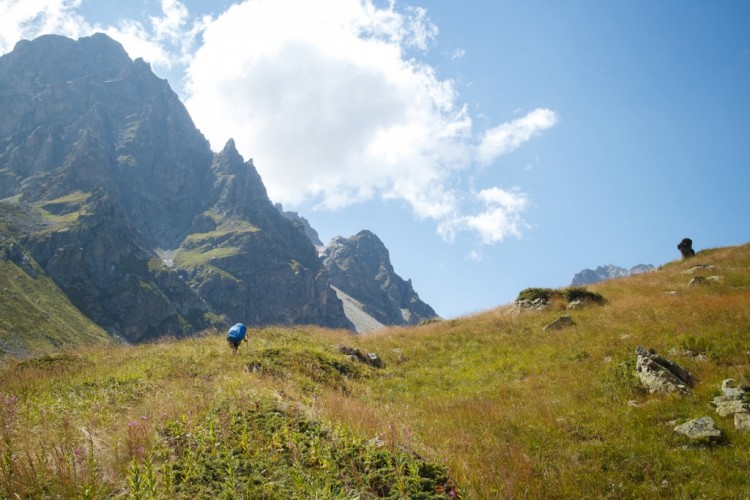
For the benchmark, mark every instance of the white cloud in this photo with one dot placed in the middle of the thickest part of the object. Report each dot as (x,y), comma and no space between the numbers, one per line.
(507,137)
(164,41)
(475,256)
(457,54)
(328,97)
(325,99)
(25,19)
(496,214)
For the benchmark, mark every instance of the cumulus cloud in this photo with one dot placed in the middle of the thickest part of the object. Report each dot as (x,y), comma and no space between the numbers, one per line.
(327,99)
(331,99)
(164,41)
(507,137)
(24,19)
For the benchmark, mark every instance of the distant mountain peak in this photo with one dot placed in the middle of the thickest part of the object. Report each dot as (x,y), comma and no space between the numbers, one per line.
(360,269)
(609,271)
(303,225)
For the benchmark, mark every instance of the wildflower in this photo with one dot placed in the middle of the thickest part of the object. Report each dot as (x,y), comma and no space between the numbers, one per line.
(78,454)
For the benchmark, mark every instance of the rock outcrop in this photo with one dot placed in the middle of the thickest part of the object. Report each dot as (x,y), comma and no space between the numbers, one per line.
(101,265)
(658,374)
(700,430)
(303,225)
(560,323)
(734,401)
(360,267)
(370,358)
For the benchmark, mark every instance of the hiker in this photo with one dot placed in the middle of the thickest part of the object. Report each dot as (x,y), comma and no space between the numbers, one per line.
(236,335)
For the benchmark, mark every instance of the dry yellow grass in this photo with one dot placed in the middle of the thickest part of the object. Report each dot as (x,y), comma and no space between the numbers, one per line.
(511,410)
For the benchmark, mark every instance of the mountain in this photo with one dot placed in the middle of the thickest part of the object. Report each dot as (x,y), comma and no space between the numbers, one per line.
(122,203)
(360,270)
(601,273)
(302,224)
(36,317)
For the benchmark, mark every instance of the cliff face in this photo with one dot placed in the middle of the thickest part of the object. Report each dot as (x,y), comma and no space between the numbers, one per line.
(80,115)
(360,267)
(139,223)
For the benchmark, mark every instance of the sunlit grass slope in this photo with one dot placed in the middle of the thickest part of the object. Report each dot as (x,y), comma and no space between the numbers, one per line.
(37,318)
(487,406)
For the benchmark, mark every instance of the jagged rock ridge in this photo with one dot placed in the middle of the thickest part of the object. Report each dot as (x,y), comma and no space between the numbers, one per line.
(601,273)
(360,269)
(303,225)
(144,228)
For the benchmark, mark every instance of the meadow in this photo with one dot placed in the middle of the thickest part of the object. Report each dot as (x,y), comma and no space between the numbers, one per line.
(484,406)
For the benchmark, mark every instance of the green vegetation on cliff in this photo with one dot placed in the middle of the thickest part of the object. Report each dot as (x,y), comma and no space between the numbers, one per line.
(38,318)
(486,406)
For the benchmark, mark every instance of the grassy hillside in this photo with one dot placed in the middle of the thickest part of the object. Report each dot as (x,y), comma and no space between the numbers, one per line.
(36,317)
(487,406)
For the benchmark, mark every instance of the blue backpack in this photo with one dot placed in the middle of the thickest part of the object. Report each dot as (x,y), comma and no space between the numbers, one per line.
(237,332)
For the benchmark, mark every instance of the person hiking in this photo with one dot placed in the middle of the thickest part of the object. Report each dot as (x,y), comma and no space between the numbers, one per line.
(236,335)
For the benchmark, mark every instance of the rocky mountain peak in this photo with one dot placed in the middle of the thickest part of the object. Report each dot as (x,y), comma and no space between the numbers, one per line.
(144,228)
(360,269)
(97,56)
(303,225)
(609,271)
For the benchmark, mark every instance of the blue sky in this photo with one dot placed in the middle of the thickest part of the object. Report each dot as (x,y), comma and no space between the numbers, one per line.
(492,146)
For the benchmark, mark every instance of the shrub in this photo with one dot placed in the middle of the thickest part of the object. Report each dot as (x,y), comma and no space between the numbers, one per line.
(582,294)
(535,293)
(567,294)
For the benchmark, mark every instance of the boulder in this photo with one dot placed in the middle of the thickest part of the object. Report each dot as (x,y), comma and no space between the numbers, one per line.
(733,401)
(742,422)
(698,280)
(699,267)
(560,323)
(700,429)
(536,304)
(370,358)
(705,280)
(658,374)
(686,248)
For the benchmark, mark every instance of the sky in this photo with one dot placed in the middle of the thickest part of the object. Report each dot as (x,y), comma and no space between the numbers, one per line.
(491,145)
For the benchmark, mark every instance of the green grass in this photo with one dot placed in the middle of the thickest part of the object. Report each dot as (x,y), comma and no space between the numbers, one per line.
(224,231)
(38,318)
(189,420)
(567,294)
(200,249)
(65,210)
(485,406)
(193,258)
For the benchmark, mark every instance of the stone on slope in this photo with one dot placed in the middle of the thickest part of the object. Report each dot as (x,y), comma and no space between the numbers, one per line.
(560,323)
(734,401)
(658,374)
(700,429)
